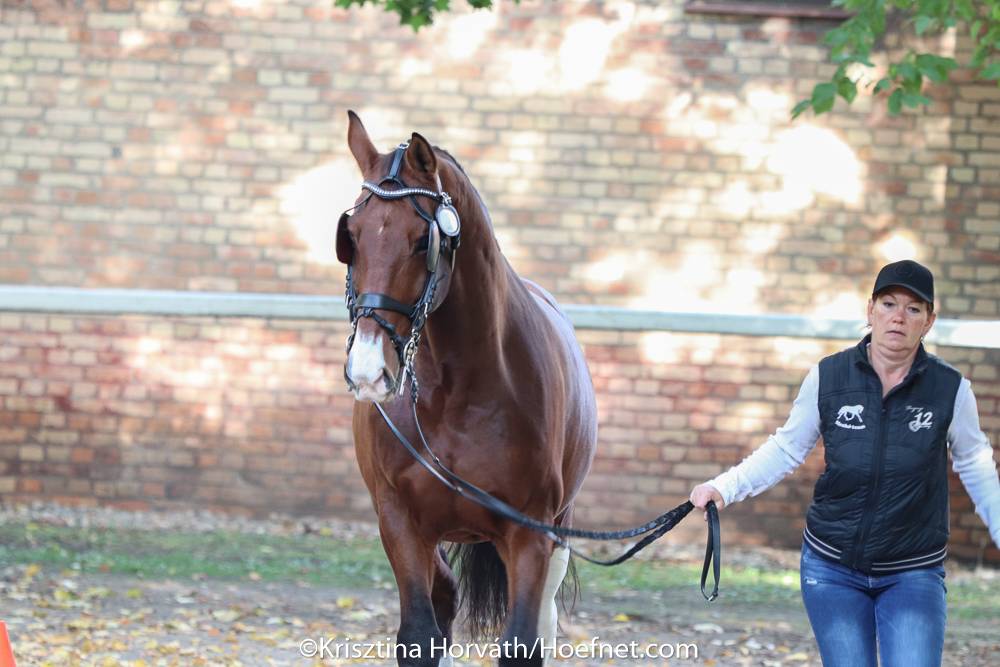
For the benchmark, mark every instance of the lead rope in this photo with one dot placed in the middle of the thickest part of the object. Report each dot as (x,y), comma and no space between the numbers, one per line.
(655,528)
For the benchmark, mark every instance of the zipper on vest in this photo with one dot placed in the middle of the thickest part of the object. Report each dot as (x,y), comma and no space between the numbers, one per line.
(873,491)
(880,447)
(860,546)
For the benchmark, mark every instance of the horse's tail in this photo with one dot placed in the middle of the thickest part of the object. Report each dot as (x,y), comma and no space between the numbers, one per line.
(482,584)
(569,590)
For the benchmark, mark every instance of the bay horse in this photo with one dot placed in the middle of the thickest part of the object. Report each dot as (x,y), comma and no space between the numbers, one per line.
(506,402)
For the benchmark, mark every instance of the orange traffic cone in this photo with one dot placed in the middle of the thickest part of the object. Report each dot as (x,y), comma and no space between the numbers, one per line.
(6,652)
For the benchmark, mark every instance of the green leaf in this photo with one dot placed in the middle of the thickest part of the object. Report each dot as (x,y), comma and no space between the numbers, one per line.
(847,89)
(914,100)
(896,102)
(965,9)
(824,94)
(907,70)
(934,67)
(838,37)
(991,71)
(800,108)
(414,13)
(923,23)
(974,30)
(883,84)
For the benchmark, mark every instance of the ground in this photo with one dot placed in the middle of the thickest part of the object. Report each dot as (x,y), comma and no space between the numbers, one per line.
(200,590)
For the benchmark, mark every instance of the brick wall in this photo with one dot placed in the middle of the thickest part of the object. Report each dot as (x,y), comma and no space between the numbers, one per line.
(247,415)
(630,154)
(172,412)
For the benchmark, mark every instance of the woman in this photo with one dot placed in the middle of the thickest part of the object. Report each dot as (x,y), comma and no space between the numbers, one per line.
(877,529)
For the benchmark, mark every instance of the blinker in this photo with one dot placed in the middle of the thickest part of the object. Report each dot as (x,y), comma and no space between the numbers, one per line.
(433,247)
(345,246)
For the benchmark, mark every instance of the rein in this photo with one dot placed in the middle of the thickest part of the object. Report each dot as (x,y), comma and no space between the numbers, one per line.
(652,530)
(443,237)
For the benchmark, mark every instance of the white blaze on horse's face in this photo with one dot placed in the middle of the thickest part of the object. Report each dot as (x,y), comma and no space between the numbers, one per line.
(366,367)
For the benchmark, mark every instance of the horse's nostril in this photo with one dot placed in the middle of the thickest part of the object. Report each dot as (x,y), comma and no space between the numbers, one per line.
(347,378)
(390,384)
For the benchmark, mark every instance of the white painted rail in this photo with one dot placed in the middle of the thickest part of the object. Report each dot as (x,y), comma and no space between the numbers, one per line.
(73,300)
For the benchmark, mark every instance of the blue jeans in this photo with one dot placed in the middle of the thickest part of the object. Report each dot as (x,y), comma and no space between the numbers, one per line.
(852,614)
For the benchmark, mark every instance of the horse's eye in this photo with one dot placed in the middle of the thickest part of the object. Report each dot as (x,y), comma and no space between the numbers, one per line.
(421,245)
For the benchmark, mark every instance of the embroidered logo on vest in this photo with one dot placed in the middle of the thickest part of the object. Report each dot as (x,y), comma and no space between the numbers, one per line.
(921,419)
(848,415)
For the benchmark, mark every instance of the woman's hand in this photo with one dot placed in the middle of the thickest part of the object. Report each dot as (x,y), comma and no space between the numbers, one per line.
(701,494)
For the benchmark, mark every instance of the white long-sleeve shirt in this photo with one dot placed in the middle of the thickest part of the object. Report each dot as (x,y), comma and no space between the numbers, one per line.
(788,447)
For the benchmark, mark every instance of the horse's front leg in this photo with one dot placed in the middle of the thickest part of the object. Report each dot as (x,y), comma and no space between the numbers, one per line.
(419,639)
(534,574)
(444,596)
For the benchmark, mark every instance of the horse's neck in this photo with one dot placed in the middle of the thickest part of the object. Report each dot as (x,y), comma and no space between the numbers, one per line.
(474,317)
(486,298)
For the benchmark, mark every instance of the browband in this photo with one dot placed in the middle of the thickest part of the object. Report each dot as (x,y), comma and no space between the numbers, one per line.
(382,193)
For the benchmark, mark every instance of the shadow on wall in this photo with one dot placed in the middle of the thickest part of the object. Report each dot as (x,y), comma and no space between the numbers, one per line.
(622,147)
(243,414)
(603,191)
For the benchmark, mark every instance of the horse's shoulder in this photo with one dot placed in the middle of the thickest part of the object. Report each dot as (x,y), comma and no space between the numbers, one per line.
(550,311)
(543,295)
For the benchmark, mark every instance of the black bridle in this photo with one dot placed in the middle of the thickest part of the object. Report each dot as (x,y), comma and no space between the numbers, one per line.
(442,238)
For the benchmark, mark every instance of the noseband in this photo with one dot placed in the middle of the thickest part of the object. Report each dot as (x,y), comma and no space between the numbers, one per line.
(442,237)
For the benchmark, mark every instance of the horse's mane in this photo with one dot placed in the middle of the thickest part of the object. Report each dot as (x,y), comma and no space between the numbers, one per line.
(482,204)
(452,159)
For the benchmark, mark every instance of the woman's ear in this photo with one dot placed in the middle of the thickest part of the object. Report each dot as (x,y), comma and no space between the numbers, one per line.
(931,317)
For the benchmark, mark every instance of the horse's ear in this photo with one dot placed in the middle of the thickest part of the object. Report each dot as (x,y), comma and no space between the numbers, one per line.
(420,156)
(361,146)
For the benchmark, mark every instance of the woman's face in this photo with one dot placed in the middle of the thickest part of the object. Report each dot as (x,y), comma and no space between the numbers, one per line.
(899,319)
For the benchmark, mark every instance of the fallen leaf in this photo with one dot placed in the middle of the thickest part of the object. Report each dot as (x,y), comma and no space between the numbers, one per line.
(63,595)
(706,628)
(226,615)
(99,592)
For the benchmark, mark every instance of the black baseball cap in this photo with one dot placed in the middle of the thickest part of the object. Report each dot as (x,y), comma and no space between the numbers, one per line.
(909,274)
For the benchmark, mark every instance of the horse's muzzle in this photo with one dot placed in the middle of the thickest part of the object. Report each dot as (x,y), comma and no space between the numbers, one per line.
(378,391)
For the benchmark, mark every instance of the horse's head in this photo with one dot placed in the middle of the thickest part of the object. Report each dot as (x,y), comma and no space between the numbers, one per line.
(399,245)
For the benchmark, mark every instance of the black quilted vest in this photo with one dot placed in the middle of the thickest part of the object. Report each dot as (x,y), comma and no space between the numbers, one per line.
(881,505)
